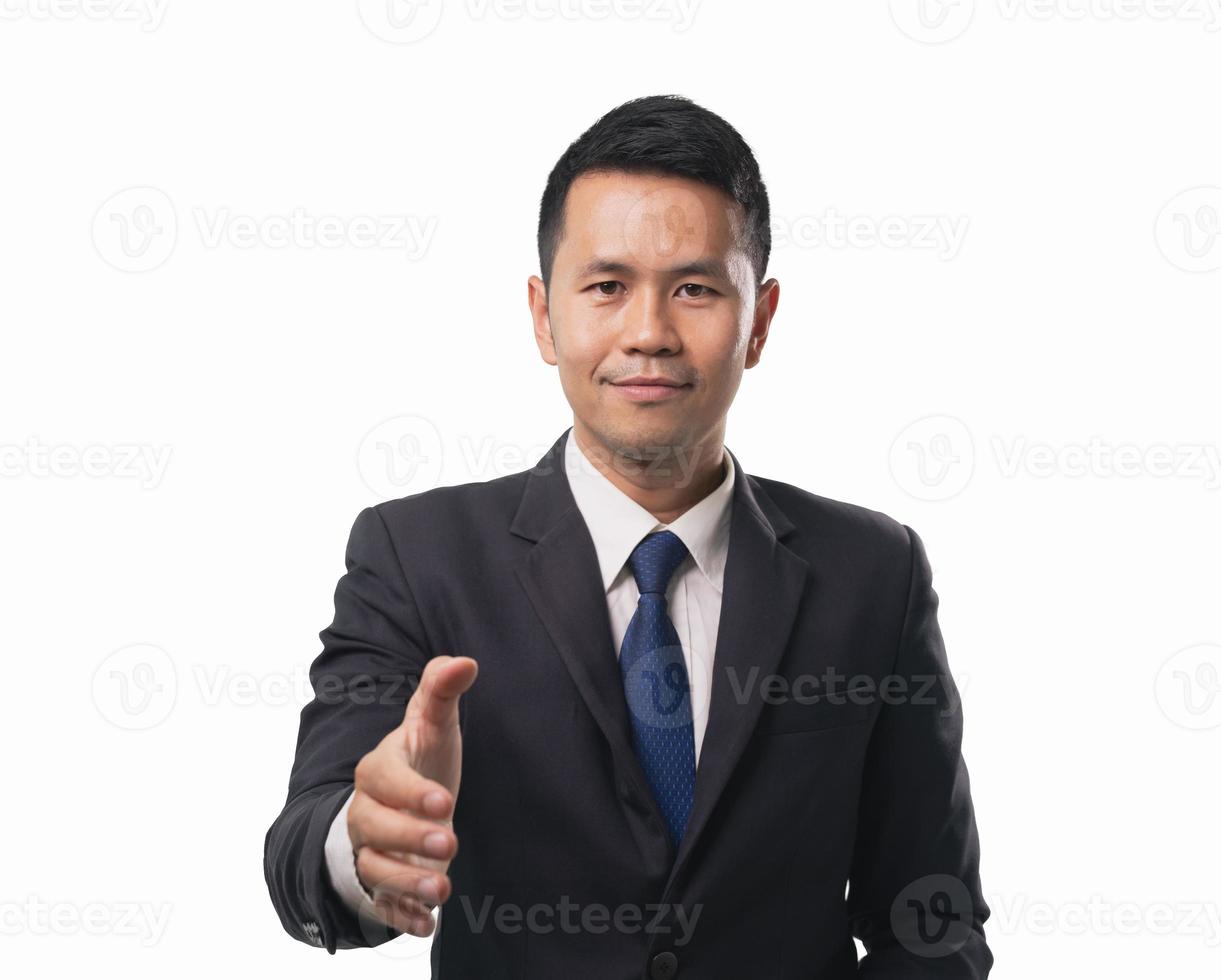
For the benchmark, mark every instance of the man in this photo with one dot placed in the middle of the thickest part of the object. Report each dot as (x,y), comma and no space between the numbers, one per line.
(633,712)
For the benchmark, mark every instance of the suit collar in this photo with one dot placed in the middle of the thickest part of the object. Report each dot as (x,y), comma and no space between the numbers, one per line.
(616,522)
(548,496)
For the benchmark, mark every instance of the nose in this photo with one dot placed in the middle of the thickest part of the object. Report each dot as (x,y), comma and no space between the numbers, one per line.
(648,327)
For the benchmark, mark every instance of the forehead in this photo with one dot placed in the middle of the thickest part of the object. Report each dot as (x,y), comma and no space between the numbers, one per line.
(652,219)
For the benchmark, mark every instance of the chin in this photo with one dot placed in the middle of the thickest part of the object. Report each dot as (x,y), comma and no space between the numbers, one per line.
(645,440)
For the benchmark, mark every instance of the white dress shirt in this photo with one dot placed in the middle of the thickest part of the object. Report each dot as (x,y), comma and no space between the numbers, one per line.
(617,524)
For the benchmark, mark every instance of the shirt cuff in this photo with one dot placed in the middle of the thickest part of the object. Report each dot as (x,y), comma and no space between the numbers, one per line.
(341,866)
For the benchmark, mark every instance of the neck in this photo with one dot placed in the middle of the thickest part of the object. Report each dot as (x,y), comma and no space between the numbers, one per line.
(666,488)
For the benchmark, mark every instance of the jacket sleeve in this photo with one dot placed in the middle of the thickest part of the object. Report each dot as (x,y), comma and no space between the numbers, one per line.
(372,656)
(914,899)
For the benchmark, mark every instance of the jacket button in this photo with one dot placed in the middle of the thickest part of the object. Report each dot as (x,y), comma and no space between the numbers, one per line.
(664,966)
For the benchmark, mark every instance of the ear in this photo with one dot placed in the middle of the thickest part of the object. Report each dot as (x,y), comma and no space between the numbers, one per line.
(765,309)
(539,312)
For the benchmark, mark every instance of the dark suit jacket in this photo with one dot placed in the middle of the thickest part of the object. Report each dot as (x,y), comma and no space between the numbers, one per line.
(564,868)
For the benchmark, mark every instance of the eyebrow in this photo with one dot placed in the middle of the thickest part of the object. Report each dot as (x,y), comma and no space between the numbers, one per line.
(711,268)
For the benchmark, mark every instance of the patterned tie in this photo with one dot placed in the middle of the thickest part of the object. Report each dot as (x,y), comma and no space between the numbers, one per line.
(655,683)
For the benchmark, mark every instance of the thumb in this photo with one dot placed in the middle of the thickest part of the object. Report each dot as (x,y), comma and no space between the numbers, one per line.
(444,680)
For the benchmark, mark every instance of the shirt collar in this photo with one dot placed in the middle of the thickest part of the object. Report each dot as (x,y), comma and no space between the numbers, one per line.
(617,523)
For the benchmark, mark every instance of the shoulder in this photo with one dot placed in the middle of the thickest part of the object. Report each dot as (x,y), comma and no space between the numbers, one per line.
(449,514)
(824,523)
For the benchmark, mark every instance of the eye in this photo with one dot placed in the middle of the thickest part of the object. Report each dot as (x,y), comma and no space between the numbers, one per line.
(701,290)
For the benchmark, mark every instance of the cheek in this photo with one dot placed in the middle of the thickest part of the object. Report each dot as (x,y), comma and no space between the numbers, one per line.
(578,357)
(720,349)
(578,360)
(581,341)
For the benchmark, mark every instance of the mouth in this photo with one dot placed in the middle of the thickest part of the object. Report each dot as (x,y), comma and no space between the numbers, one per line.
(641,389)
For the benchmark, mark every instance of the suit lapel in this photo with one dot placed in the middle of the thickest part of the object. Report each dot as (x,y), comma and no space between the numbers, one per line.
(762,590)
(561,578)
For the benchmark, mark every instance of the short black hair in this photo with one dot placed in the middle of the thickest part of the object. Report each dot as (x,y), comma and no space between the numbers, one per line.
(661,134)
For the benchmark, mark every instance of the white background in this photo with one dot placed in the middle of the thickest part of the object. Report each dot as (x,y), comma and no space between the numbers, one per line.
(1034,262)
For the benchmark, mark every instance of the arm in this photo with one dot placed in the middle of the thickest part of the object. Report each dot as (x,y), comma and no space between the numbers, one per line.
(915,900)
(372,656)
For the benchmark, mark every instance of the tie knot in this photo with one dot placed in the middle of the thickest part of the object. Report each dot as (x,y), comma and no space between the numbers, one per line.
(654,560)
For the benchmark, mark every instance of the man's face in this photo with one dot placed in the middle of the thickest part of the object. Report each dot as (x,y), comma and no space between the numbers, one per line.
(651,279)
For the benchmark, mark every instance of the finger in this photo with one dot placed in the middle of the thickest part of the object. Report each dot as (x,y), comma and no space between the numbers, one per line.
(399,914)
(444,680)
(407,888)
(387,829)
(387,778)
(421,926)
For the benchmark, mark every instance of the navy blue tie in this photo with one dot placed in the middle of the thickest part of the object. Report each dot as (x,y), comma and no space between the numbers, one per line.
(655,683)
